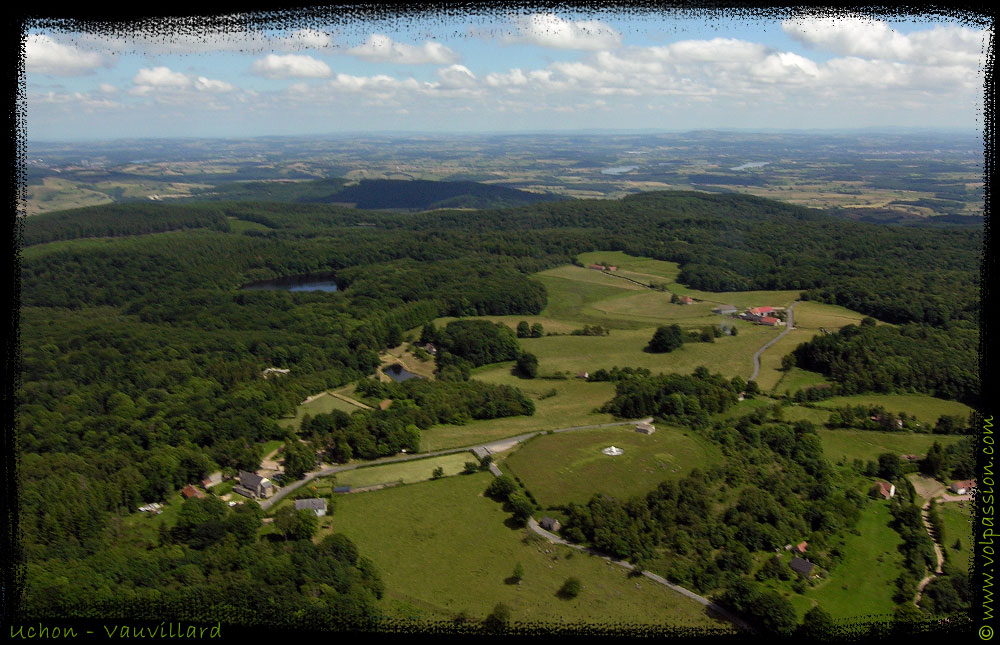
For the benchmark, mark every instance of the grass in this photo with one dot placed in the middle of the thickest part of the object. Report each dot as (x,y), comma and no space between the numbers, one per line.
(771,375)
(796,378)
(925,408)
(569,467)
(863,582)
(443,548)
(324,404)
(955,516)
(572,405)
(868,445)
(815,315)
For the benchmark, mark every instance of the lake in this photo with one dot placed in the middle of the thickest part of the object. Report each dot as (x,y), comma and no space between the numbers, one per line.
(617,170)
(399,373)
(751,164)
(312,282)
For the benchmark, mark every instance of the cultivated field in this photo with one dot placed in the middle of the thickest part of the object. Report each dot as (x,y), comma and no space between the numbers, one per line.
(443,548)
(570,467)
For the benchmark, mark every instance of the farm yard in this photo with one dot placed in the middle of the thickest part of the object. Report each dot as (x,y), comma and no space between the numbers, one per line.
(569,467)
(443,548)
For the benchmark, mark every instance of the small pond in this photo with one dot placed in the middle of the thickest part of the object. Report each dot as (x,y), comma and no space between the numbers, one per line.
(399,373)
(312,282)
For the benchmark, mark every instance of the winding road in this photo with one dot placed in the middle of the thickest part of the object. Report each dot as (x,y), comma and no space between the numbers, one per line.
(788,328)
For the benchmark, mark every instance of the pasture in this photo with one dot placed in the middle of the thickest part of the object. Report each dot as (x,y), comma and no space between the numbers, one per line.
(957,528)
(570,467)
(442,548)
(868,445)
(925,408)
(322,404)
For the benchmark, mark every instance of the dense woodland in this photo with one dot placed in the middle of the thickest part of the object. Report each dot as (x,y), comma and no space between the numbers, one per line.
(143,358)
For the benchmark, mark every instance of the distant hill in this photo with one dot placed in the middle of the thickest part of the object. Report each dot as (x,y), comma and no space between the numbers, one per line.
(427,195)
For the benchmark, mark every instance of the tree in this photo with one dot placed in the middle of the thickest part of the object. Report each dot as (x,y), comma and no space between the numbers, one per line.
(733,330)
(518,572)
(666,339)
(889,466)
(498,619)
(470,467)
(787,362)
(521,506)
(523,331)
(527,365)
(299,459)
(816,625)
(571,588)
(501,488)
(536,330)
(438,473)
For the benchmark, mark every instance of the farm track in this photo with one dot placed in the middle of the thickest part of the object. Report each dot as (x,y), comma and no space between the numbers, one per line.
(788,327)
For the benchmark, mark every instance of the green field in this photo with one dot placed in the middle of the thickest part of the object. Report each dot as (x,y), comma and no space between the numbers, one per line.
(572,405)
(925,408)
(570,467)
(324,404)
(796,378)
(868,445)
(957,527)
(863,582)
(442,548)
(772,377)
(815,315)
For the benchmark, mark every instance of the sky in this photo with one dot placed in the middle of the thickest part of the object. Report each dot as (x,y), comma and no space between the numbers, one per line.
(520,71)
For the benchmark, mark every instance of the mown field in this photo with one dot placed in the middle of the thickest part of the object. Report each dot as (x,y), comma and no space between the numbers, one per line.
(570,467)
(957,528)
(323,404)
(868,445)
(927,409)
(443,548)
(863,582)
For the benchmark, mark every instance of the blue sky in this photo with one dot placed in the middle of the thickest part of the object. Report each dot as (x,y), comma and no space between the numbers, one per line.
(527,71)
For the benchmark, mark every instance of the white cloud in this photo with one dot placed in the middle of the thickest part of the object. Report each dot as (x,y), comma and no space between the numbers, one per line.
(161,77)
(183,38)
(108,88)
(208,85)
(43,55)
(380,48)
(941,45)
(549,30)
(290,66)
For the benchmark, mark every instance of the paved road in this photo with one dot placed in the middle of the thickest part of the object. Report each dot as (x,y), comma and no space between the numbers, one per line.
(491,447)
(789,327)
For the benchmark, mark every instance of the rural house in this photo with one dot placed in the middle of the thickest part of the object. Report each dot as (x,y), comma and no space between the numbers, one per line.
(686,300)
(599,267)
(317,505)
(549,524)
(801,547)
(190,491)
(801,567)
(769,320)
(885,489)
(253,485)
(963,487)
(583,375)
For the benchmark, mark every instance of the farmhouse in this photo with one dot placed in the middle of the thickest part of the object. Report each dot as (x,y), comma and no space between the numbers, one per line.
(190,491)
(963,487)
(612,268)
(645,428)
(686,300)
(760,311)
(316,505)
(802,567)
(599,267)
(769,320)
(583,375)
(253,485)
(885,489)
(211,480)
(550,524)
(801,547)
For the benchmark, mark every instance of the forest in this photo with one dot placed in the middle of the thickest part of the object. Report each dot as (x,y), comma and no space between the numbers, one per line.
(142,356)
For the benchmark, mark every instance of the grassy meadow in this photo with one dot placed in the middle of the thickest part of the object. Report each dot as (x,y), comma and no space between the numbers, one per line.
(443,548)
(868,445)
(925,408)
(957,527)
(569,467)
(323,404)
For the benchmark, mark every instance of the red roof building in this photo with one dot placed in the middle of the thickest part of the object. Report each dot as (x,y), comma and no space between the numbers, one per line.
(801,547)
(599,267)
(686,300)
(768,320)
(190,491)
(761,310)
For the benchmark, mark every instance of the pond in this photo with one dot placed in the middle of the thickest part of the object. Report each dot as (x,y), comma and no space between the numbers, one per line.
(311,282)
(399,373)
(751,164)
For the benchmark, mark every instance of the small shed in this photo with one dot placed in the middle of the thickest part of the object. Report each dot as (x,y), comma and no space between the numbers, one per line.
(963,487)
(885,489)
(549,524)
(801,547)
(317,505)
(725,310)
(583,375)
(645,428)
(342,489)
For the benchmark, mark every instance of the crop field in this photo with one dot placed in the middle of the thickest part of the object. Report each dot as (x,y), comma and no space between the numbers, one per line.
(957,527)
(868,445)
(925,408)
(570,467)
(442,548)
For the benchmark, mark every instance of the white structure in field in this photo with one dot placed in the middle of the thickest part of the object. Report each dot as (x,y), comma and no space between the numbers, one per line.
(612,451)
